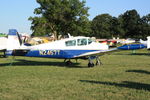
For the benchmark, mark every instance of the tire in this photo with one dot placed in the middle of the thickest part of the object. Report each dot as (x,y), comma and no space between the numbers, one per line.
(90,64)
(68,63)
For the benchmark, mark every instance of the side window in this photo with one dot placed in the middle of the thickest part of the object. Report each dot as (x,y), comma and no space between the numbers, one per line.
(70,43)
(89,41)
(82,42)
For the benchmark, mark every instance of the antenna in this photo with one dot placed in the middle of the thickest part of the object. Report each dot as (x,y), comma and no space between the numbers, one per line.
(69,35)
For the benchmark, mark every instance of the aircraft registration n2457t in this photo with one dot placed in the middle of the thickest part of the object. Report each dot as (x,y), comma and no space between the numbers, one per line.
(71,48)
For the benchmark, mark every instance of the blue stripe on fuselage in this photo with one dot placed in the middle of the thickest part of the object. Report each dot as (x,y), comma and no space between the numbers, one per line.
(57,53)
(68,54)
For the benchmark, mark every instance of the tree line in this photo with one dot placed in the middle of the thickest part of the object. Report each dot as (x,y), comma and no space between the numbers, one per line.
(60,17)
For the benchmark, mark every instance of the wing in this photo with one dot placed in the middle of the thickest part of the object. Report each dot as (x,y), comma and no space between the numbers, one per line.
(99,52)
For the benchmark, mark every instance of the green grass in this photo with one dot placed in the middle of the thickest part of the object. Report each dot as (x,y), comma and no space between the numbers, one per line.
(122,76)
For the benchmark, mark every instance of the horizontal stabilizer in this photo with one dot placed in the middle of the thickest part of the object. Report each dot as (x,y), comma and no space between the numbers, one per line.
(15,52)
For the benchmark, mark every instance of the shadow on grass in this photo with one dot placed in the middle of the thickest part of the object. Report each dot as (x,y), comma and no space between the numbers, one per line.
(139,71)
(3,56)
(20,62)
(136,54)
(125,84)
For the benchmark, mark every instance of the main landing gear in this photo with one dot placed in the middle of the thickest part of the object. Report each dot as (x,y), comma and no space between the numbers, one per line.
(68,63)
(91,63)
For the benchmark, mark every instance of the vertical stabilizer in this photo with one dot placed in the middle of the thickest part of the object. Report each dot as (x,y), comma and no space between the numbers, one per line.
(14,41)
(148,42)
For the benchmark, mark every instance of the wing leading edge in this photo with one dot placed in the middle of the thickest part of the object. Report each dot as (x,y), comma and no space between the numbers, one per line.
(97,53)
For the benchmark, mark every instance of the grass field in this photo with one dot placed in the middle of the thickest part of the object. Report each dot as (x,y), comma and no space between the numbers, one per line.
(122,76)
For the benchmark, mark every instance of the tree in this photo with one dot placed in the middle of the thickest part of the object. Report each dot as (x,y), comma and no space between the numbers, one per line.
(130,20)
(101,26)
(145,26)
(61,17)
(116,27)
(39,26)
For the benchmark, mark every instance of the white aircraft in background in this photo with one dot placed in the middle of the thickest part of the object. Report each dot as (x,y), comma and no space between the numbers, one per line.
(3,45)
(143,42)
(146,43)
(126,41)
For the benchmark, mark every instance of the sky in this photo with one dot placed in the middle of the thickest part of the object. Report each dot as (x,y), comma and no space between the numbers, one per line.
(14,14)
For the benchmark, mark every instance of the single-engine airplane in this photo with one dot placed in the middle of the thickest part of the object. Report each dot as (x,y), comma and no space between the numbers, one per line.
(70,48)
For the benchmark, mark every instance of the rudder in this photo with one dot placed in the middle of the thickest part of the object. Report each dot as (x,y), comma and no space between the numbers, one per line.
(14,41)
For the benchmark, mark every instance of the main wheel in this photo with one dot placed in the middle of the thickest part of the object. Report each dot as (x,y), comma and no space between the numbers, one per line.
(68,63)
(90,64)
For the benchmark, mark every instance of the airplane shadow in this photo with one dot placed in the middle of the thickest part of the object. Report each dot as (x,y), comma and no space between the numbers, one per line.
(124,84)
(2,56)
(138,54)
(139,71)
(21,62)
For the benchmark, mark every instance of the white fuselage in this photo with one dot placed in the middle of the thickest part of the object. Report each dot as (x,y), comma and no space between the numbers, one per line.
(75,44)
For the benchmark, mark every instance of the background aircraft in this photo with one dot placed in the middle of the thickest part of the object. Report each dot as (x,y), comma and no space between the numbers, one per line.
(146,43)
(3,44)
(143,42)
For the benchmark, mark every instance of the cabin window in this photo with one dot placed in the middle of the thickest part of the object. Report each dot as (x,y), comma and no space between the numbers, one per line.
(90,41)
(70,43)
(82,42)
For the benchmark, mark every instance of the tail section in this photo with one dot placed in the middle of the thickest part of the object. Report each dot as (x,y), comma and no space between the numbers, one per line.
(143,42)
(148,42)
(14,40)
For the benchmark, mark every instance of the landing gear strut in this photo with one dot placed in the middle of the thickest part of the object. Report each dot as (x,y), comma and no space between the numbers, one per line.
(91,63)
(98,61)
